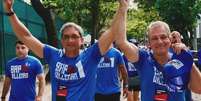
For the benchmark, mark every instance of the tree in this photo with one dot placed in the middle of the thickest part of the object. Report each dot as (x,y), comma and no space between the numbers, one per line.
(45,14)
(181,15)
(92,15)
(138,20)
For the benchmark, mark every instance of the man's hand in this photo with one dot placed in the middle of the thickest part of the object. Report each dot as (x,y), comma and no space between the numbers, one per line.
(178,47)
(124,4)
(8,4)
(38,98)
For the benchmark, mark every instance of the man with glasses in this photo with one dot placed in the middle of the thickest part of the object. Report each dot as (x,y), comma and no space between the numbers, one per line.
(72,72)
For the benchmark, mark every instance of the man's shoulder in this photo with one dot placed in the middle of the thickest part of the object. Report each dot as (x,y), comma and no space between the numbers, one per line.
(12,60)
(32,57)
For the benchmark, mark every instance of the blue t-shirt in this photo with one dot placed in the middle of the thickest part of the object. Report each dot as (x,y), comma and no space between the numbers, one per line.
(130,67)
(76,75)
(22,73)
(152,77)
(199,56)
(107,81)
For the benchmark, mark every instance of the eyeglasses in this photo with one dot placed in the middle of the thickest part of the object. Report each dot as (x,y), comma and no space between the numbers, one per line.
(73,37)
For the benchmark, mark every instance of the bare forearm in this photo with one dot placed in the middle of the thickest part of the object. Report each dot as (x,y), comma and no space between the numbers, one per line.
(195,80)
(124,74)
(117,26)
(24,35)
(6,87)
(125,78)
(41,87)
(5,91)
(130,51)
(20,30)
(121,35)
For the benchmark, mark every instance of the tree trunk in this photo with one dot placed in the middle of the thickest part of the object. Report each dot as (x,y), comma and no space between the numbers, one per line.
(45,14)
(95,20)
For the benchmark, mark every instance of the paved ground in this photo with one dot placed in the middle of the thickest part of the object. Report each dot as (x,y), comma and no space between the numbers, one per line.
(47,94)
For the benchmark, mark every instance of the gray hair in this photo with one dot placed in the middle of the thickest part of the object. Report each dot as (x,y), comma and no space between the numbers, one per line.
(71,24)
(158,24)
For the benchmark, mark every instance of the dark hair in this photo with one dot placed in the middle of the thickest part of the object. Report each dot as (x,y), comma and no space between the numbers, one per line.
(19,42)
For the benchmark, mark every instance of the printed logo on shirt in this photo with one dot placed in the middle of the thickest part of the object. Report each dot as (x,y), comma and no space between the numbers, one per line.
(69,72)
(176,63)
(106,62)
(25,67)
(131,67)
(158,77)
(176,84)
(160,80)
(19,71)
(160,95)
(61,93)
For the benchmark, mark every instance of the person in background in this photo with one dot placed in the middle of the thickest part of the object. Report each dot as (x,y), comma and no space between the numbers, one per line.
(133,78)
(21,73)
(108,85)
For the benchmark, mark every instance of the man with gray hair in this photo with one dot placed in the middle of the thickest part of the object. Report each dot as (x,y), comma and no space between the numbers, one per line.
(164,76)
(72,71)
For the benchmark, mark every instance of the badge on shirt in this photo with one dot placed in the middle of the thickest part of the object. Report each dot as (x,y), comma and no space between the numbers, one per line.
(160,95)
(61,93)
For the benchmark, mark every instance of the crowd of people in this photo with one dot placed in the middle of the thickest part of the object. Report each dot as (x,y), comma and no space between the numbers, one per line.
(162,72)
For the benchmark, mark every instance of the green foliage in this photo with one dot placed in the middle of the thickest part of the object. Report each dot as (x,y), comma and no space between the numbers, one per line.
(138,21)
(82,12)
(181,15)
(106,12)
(146,4)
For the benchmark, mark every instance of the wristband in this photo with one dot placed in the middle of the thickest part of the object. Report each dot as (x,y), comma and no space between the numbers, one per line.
(125,85)
(10,13)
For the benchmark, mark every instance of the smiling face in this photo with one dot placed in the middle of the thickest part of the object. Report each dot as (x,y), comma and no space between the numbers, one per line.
(159,40)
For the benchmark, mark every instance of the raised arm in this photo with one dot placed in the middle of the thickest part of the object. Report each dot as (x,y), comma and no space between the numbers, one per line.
(22,32)
(129,50)
(108,37)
